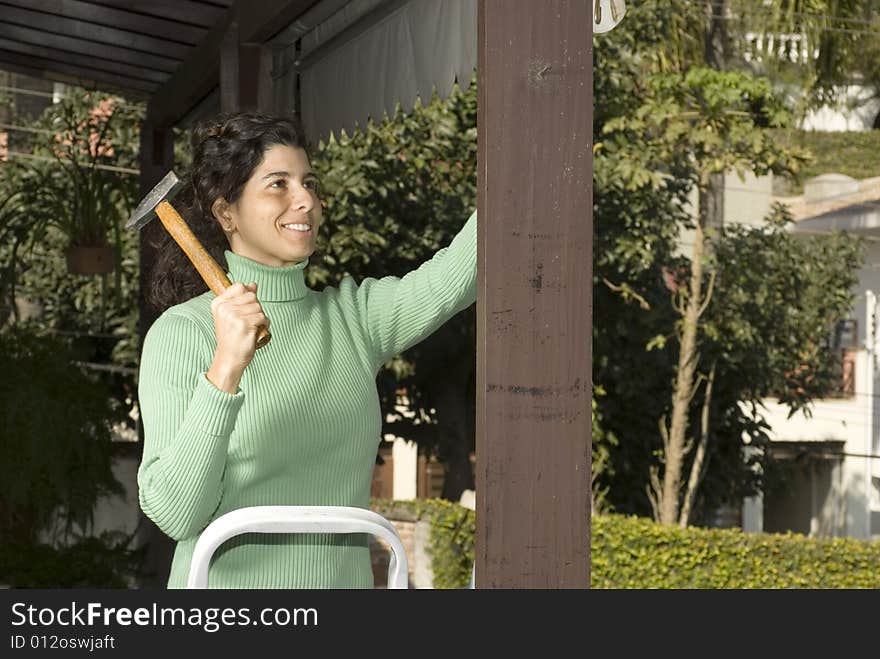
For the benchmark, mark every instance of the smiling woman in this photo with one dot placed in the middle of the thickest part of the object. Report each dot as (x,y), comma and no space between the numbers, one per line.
(280,199)
(245,167)
(299,422)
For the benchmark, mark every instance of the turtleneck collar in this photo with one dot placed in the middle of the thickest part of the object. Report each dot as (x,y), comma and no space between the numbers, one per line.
(274,283)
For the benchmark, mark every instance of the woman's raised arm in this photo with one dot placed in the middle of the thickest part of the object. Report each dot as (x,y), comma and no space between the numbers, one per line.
(399,312)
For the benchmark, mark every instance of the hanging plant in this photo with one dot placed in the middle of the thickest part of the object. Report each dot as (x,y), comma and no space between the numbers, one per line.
(76,187)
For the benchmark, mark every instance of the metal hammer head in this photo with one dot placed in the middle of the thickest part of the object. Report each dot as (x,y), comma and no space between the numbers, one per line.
(163,191)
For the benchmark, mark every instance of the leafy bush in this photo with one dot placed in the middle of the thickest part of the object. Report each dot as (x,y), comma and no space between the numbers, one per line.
(91,562)
(635,552)
(55,436)
(452,535)
(56,454)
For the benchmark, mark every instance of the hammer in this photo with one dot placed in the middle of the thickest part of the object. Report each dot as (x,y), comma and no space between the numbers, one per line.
(157,203)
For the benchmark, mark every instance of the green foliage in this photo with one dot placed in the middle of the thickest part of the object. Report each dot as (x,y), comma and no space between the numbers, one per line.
(782,296)
(395,192)
(72,180)
(602,444)
(692,125)
(104,561)
(452,535)
(635,552)
(56,419)
(62,197)
(55,438)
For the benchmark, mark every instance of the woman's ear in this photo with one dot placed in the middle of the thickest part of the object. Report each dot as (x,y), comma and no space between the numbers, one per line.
(220,210)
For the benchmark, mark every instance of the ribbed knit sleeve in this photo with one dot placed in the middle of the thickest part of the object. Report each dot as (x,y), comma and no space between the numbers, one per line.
(399,312)
(187,422)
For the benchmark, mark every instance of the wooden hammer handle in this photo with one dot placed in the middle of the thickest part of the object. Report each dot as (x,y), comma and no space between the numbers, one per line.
(208,268)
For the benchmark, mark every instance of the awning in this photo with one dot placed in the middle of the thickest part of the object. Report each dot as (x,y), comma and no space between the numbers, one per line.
(367,56)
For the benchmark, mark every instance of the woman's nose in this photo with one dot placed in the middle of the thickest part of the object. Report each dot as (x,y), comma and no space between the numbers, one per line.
(302,198)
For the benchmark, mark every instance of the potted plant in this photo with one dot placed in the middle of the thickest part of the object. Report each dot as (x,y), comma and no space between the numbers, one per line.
(74,183)
(86,208)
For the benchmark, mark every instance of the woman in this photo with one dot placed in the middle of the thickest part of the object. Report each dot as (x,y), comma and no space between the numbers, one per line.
(298,421)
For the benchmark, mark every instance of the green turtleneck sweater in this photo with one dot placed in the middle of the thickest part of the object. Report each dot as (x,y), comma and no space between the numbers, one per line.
(305,424)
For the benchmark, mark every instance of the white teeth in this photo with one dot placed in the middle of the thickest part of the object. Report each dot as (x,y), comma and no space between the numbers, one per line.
(297,227)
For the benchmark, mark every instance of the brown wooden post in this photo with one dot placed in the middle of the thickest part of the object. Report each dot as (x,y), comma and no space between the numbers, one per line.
(156,159)
(245,74)
(534,295)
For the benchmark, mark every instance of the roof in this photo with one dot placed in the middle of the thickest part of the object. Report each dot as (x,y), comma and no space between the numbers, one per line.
(836,202)
(347,59)
(128,46)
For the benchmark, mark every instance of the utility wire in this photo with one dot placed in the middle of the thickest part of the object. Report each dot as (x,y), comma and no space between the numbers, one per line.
(32,92)
(112,168)
(26,129)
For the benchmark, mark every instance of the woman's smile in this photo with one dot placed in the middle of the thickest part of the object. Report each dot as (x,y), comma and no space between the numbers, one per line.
(301,229)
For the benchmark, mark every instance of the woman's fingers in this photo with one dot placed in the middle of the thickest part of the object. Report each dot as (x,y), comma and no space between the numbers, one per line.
(237,315)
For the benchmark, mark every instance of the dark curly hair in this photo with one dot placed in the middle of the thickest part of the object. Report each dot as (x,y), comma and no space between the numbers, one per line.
(225,151)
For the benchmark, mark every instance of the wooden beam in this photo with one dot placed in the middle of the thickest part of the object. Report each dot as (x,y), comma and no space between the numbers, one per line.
(260,21)
(88,78)
(534,198)
(229,69)
(85,62)
(245,74)
(55,76)
(36,37)
(117,18)
(200,14)
(156,159)
(193,80)
(92,32)
(255,77)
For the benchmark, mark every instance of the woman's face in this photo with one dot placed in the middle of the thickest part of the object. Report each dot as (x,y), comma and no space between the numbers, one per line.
(266,223)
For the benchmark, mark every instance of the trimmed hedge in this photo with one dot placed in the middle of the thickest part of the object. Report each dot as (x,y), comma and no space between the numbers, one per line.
(854,153)
(452,535)
(634,552)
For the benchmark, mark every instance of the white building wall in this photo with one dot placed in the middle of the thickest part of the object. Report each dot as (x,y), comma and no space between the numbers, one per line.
(856,111)
(856,422)
(746,201)
(404,455)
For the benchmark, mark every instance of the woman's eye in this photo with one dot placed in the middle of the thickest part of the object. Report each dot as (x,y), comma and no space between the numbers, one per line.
(312,184)
(280,183)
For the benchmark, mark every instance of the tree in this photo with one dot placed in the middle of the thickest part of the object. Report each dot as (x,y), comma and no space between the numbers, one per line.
(664,126)
(712,122)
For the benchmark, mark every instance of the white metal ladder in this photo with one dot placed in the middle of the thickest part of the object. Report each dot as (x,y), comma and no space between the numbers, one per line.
(297,519)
